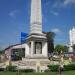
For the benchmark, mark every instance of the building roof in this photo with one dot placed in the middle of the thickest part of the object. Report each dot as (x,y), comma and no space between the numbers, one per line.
(11,46)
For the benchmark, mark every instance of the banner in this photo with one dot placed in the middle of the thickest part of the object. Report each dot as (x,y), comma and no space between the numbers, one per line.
(23,37)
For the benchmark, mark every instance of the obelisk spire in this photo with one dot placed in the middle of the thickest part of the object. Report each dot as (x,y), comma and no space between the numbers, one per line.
(36,17)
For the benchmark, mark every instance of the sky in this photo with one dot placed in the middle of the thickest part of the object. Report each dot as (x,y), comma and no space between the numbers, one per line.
(58,16)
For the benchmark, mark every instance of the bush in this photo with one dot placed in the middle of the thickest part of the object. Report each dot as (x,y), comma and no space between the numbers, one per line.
(69,67)
(53,67)
(47,70)
(66,67)
(2,69)
(27,70)
(11,68)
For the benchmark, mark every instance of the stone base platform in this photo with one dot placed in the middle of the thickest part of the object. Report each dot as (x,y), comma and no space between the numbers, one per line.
(39,65)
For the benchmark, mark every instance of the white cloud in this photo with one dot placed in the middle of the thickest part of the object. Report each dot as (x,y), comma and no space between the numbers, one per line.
(56,30)
(66,2)
(59,4)
(54,13)
(13,13)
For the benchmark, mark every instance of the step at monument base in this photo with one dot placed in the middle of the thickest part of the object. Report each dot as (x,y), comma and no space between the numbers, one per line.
(35,64)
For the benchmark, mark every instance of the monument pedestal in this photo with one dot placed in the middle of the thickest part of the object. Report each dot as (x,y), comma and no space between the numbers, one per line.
(37,58)
(37,46)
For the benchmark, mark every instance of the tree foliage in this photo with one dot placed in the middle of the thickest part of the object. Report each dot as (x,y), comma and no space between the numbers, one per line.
(65,49)
(50,40)
(73,47)
(1,52)
(59,48)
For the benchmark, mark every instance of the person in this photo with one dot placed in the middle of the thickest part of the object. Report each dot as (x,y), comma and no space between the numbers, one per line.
(60,69)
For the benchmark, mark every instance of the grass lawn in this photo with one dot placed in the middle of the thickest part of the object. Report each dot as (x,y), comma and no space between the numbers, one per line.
(50,73)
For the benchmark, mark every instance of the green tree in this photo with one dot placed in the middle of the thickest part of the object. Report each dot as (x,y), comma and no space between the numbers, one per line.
(1,52)
(65,49)
(50,40)
(73,47)
(59,48)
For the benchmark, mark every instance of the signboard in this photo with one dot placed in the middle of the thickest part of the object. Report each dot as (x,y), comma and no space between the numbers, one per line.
(23,37)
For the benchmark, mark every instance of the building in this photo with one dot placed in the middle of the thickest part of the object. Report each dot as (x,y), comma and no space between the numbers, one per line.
(13,50)
(72,39)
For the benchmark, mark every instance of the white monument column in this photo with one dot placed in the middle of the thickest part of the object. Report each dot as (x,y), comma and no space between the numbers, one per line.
(36,41)
(36,17)
(32,47)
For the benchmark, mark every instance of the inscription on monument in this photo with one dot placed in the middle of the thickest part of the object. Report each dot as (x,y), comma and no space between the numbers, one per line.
(38,47)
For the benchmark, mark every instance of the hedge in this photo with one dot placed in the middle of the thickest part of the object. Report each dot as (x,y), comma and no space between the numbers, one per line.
(69,67)
(66,67)
(11,68)
(2,69)
(27,70)
(53,67)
